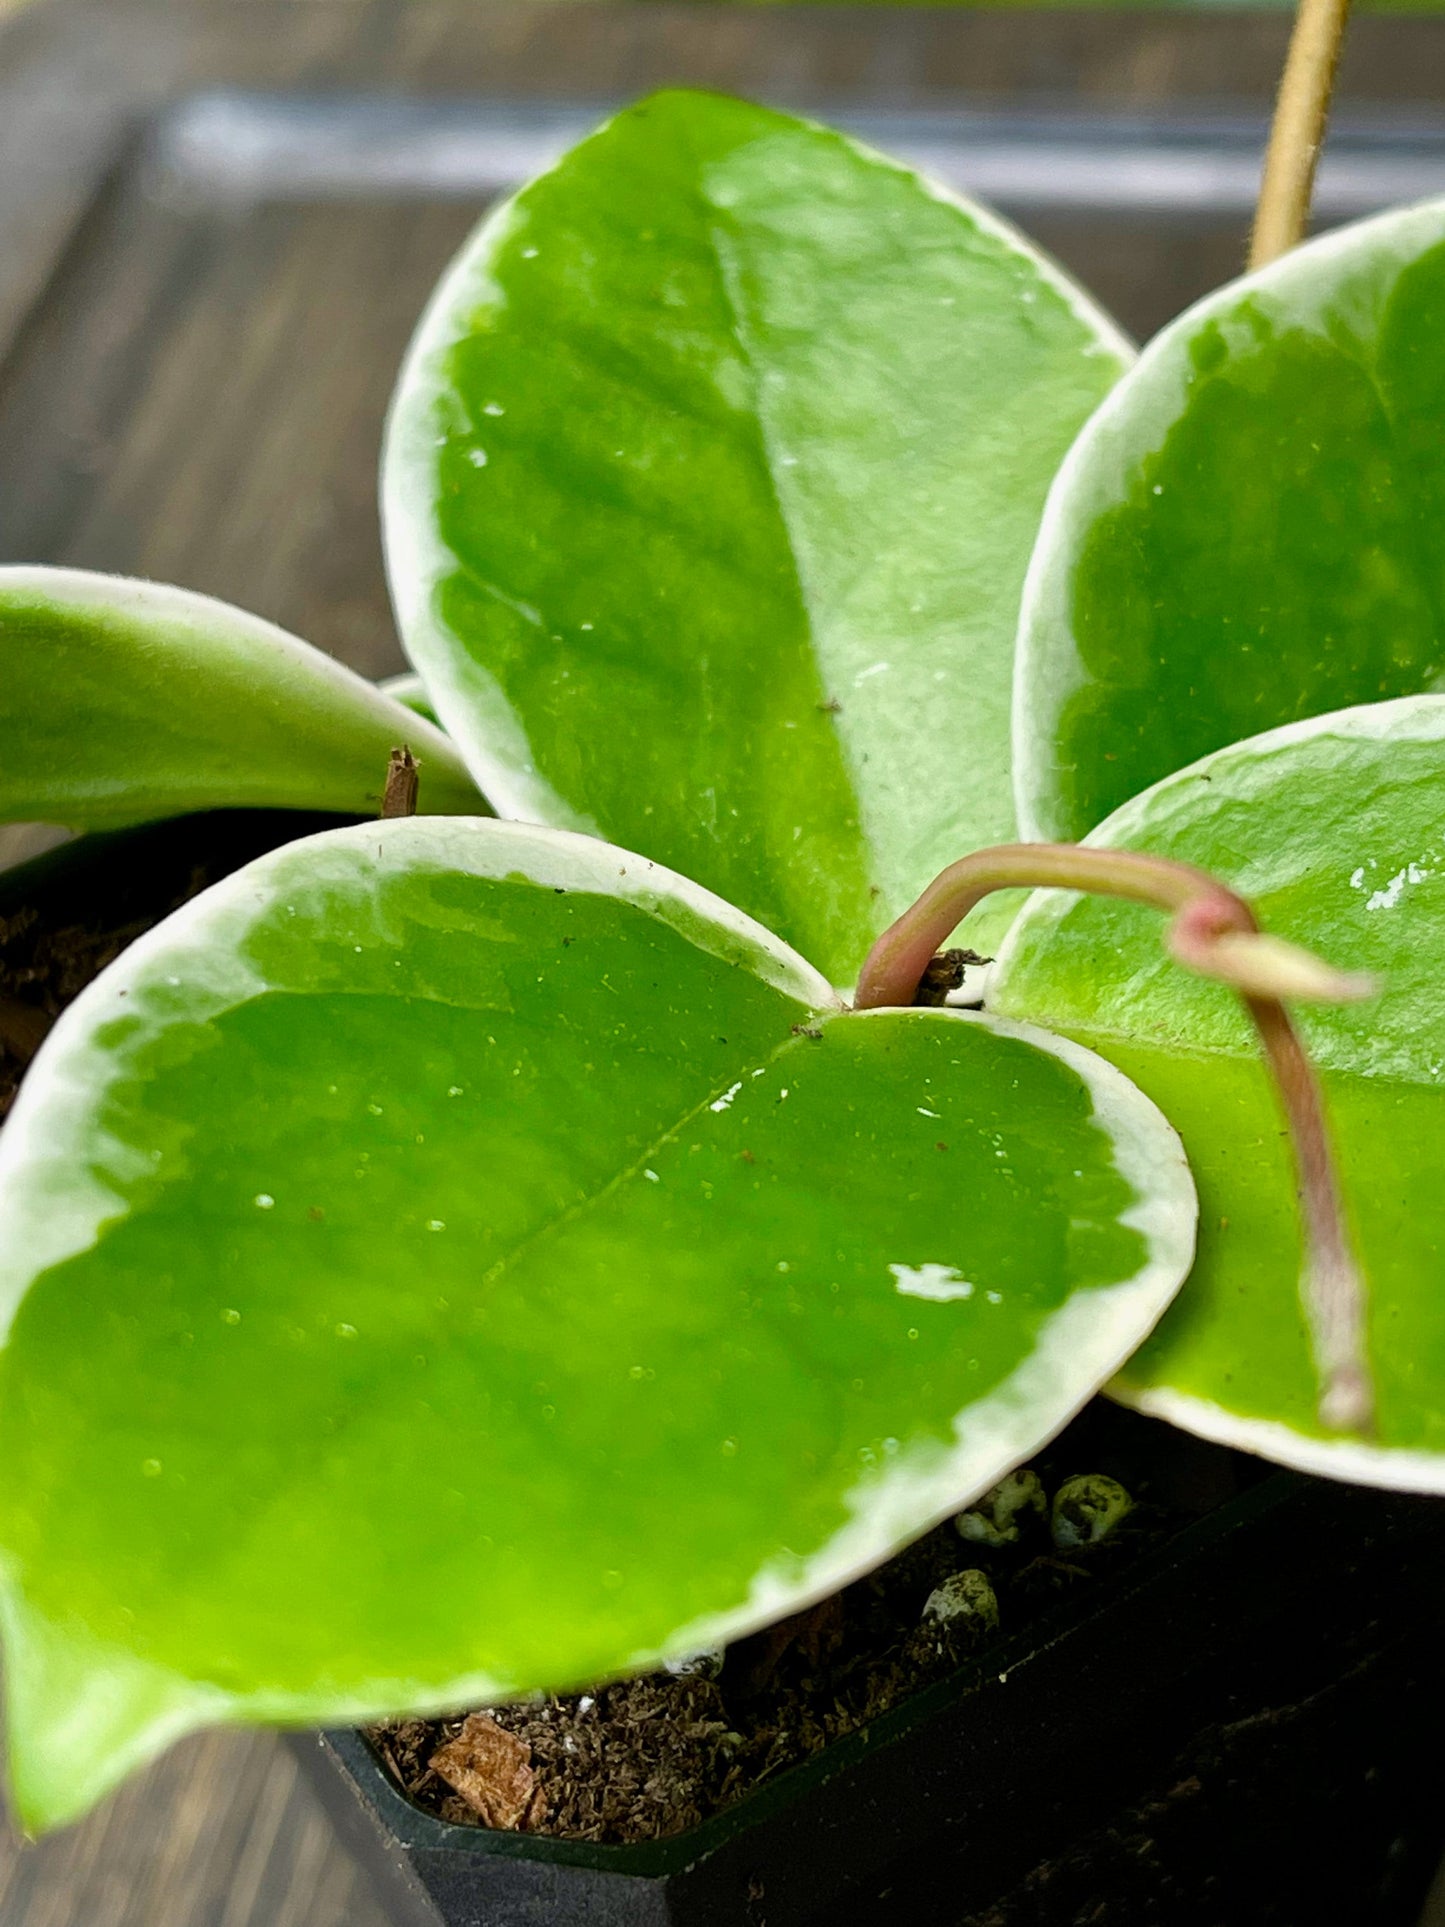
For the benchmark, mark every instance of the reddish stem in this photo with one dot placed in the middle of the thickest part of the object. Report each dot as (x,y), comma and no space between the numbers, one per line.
(1214,932)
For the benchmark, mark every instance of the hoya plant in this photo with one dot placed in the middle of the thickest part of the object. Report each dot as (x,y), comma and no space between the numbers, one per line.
(464,1255)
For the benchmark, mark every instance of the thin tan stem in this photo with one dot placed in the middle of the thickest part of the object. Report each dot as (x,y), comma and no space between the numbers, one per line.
(1214,932)
(1300,115)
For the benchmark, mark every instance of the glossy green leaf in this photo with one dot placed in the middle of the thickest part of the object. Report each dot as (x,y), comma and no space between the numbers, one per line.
(711,480)
(122,702)
(1248,531)
(450,1258)
(1334,830)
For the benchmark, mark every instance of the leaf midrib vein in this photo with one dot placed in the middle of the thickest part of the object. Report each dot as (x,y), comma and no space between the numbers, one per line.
(581,1206)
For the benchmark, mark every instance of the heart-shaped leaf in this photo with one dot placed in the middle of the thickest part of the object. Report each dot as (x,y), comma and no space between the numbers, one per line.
(712,477)
(1334,831)
(452,1258)
(1248,531)
(122,702)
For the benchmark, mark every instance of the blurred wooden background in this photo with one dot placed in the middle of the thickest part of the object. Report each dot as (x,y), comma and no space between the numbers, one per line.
(192,382)
(221,1833)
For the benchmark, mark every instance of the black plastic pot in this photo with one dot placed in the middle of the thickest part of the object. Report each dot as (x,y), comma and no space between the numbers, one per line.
(1240,1727)
(1276,1669)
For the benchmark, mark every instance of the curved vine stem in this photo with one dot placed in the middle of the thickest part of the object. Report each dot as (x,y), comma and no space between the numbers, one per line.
(1295,139)
(1214,932)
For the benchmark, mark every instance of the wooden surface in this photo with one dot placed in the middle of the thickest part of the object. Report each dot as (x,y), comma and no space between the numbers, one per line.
(220,1833)
(192,387)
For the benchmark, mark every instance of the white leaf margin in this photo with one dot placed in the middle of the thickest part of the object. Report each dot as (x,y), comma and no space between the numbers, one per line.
(470,702)
(49,1212)
(1132,421)
(1420,719)
(175,613)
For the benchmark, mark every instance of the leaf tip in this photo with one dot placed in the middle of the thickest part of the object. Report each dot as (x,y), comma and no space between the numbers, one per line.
(1263,966)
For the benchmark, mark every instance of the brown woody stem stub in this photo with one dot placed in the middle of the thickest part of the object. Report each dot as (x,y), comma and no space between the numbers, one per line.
(398,797)
(1214,932)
